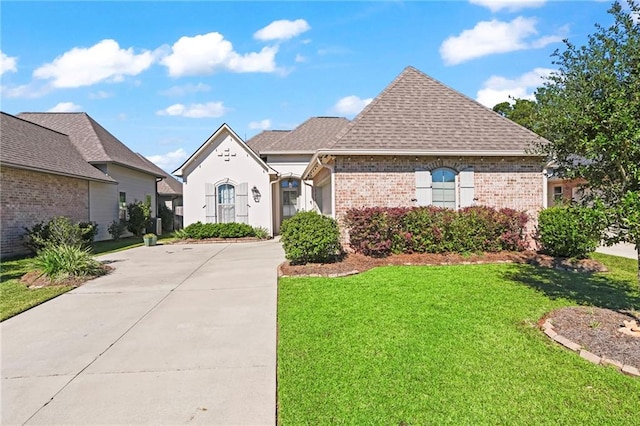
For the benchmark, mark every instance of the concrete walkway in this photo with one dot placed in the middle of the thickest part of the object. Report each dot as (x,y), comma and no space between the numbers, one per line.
(622,250)
(177,334)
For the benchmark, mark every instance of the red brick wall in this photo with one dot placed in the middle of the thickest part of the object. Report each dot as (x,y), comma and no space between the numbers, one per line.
(27,198)
(390,181)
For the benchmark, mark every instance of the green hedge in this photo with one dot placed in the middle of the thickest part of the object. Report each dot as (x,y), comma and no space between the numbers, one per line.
(378,231)
(570,231)
(311,237)
(200,231)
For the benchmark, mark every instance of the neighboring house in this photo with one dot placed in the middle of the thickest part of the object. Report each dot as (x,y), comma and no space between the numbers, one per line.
(226,181)
(417,143)
(42,175)
(136,180)
(169,192)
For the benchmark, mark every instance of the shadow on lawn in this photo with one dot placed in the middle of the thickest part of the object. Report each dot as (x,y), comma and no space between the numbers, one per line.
(585,289)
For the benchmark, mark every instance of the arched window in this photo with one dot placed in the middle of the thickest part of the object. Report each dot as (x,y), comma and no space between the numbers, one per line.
(226,203)
(444,188)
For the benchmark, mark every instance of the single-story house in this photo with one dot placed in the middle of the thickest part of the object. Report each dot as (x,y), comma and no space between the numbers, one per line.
(417,143)
(66,164)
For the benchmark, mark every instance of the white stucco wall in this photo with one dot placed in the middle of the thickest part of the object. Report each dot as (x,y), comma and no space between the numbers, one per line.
(225,158)
(103,207)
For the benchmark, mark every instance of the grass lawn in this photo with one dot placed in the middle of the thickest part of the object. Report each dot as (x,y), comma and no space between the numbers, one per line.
(446,345)
(16,297)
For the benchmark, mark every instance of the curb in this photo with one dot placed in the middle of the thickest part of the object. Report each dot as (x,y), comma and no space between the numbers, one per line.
(547,328)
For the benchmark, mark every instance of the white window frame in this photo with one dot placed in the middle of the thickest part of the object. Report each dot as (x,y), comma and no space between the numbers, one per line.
(453,189)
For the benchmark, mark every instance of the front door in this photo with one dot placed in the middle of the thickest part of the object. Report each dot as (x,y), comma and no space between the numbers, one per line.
(290,192)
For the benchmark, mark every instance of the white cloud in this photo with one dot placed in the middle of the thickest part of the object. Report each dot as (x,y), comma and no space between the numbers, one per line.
(499,89)
(282,30)
(350,105)
(8,63)
(510,5)
(28,91)
(300,58)
(208,110)
(186,89)
(65,107)
(100,94)
(169,161)
(489,37)
(104,61)
(260,125)
(207,53)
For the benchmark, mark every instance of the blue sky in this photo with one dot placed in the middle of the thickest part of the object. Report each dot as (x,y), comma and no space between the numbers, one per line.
(163,76)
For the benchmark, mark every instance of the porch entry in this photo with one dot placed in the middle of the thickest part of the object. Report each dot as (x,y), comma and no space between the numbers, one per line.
(226,202)
(290,197)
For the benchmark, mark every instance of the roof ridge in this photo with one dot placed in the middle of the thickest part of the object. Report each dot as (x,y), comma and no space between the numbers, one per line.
(371,104)
(31,122)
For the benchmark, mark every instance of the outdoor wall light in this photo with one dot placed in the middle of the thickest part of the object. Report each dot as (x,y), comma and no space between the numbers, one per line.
(256,194)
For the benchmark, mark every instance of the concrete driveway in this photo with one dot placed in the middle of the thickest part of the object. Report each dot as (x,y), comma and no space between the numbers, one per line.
(177,334)
(622,250)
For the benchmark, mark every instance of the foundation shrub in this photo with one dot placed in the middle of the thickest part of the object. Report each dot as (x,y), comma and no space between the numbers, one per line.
(377,231)
(60,231)
(200,231)
(570,231)
(309,237)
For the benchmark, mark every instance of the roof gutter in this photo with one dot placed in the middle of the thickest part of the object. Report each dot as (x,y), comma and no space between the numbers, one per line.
(35,169)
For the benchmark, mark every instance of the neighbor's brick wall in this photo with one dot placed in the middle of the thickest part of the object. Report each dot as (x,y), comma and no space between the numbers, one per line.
(28,197)
(389,181)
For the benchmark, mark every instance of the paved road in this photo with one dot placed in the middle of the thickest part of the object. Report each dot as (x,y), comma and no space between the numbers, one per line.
(177,334)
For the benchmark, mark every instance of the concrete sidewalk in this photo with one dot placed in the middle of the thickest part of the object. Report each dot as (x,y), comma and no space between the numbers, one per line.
(622,250)
(176,334)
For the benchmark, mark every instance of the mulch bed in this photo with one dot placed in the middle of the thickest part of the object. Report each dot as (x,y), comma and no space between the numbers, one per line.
(36,279)
(354,263)
(596,330)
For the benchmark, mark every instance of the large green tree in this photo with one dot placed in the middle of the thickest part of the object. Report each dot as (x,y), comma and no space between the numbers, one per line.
(522,111)
(590,111)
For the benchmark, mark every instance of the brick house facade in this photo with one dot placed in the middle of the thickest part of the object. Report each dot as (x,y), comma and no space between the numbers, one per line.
(29,197)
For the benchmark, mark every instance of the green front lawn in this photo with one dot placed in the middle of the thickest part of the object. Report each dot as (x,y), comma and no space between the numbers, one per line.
(446,345)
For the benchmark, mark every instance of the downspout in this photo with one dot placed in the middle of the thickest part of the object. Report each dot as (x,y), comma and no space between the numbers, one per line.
(544,188)
(332,169)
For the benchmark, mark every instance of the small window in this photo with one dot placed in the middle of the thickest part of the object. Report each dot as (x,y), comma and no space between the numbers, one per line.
(444,188)
(557,193)
(122,206)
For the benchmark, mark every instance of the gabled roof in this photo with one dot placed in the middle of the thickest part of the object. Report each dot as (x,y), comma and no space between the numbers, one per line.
(27,145)
(225,128)
(416,113)
(265,139)
(92,140)
(167,186)
(313,134)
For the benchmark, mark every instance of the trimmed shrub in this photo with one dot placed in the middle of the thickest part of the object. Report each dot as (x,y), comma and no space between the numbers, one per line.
(200,231)
(310,237)
(63,261)
(139,217)
(570,231)
(117,228)
(60,231)
(376,231)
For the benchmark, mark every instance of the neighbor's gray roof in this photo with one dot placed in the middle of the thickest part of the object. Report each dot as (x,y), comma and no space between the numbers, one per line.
(313,134)
(93,141)
(30,146)
(417,113)
(265,138)
(167,186)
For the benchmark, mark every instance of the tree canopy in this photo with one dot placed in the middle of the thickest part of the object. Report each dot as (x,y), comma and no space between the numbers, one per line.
(522,111)
(590,111)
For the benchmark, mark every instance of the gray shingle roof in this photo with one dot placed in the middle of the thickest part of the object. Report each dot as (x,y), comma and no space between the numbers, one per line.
(31,146)
(313,134)
(417,113)
(266,138)
(93,141)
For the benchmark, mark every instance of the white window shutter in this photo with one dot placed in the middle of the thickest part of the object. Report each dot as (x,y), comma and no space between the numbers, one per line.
(242,203)
(423,187)
(210,203)
(467,192)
